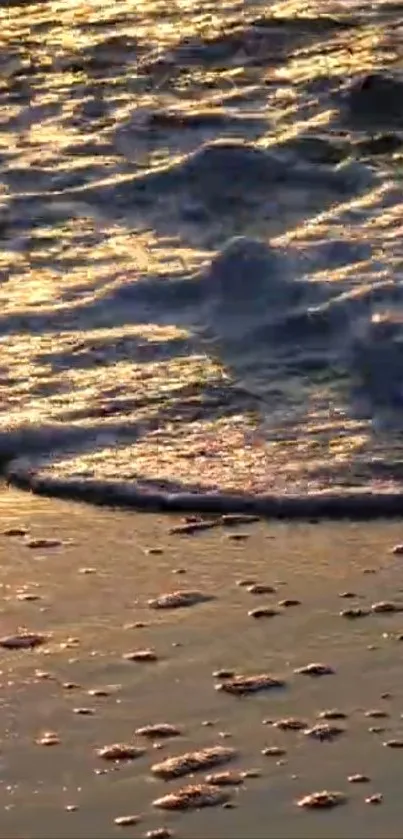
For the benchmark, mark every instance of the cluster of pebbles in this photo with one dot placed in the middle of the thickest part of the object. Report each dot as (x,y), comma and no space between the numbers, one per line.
(204,775)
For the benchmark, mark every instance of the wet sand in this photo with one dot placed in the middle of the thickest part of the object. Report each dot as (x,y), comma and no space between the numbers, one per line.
(93,592)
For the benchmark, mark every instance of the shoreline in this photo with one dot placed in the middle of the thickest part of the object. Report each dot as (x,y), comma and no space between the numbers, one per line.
(352,505)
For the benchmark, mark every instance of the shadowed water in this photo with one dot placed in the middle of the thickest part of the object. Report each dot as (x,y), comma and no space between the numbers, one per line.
(201,264)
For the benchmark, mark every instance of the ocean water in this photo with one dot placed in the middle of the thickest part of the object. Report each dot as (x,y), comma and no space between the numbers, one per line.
(201,263)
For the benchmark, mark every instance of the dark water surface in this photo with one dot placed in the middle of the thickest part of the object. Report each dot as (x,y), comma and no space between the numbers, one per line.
(201,263)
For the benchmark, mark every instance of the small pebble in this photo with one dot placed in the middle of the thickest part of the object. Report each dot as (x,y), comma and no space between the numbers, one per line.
(70,685)
(120,751)
(159,833)
(49,738)
(23,641)
(397,549)
(185,764)
(135,625)
(332,714)
(179,599)
(385,606)
(71,808)
(315,669)
(376,713)
(100,692)
(357,612)
(263,612)
(225,779)
(238,537)
(28,596)
(193,797)
(377,729)
(141,655)
(158,730)
(87,570)
(273,751)
(223,674)
(394,744)
(246,583)
(348,594)
(154,551)
(322,800)
(358,779)
(84,712)
(290,724)
(289,601)
(43,543)
(15,531)
(324,732)
(376,798)
(241,685)
(259,588)
(124,821)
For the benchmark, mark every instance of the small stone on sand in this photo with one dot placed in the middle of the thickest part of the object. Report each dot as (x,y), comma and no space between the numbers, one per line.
(49,738)
(397,549)
(177,767)
(125,821)
(225,779)
(242,685)
(43,543)
(324,732)
(322,800)
(193,797)
(315,669)
(289,601)
(357,612)
(394,744)
(84,712)
(376,713)
(273,751)
(376,798)
(179,599)
(15,531)
(259,588)
(358,779)
(263,612)
(141,655)
(23,641)
(223,674)
(120,751)
(158,730)
(159,833)
(332,714)
(99,692)
(290,724)
(385,606)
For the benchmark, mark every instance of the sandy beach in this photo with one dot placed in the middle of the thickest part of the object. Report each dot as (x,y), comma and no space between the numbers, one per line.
(89,596)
